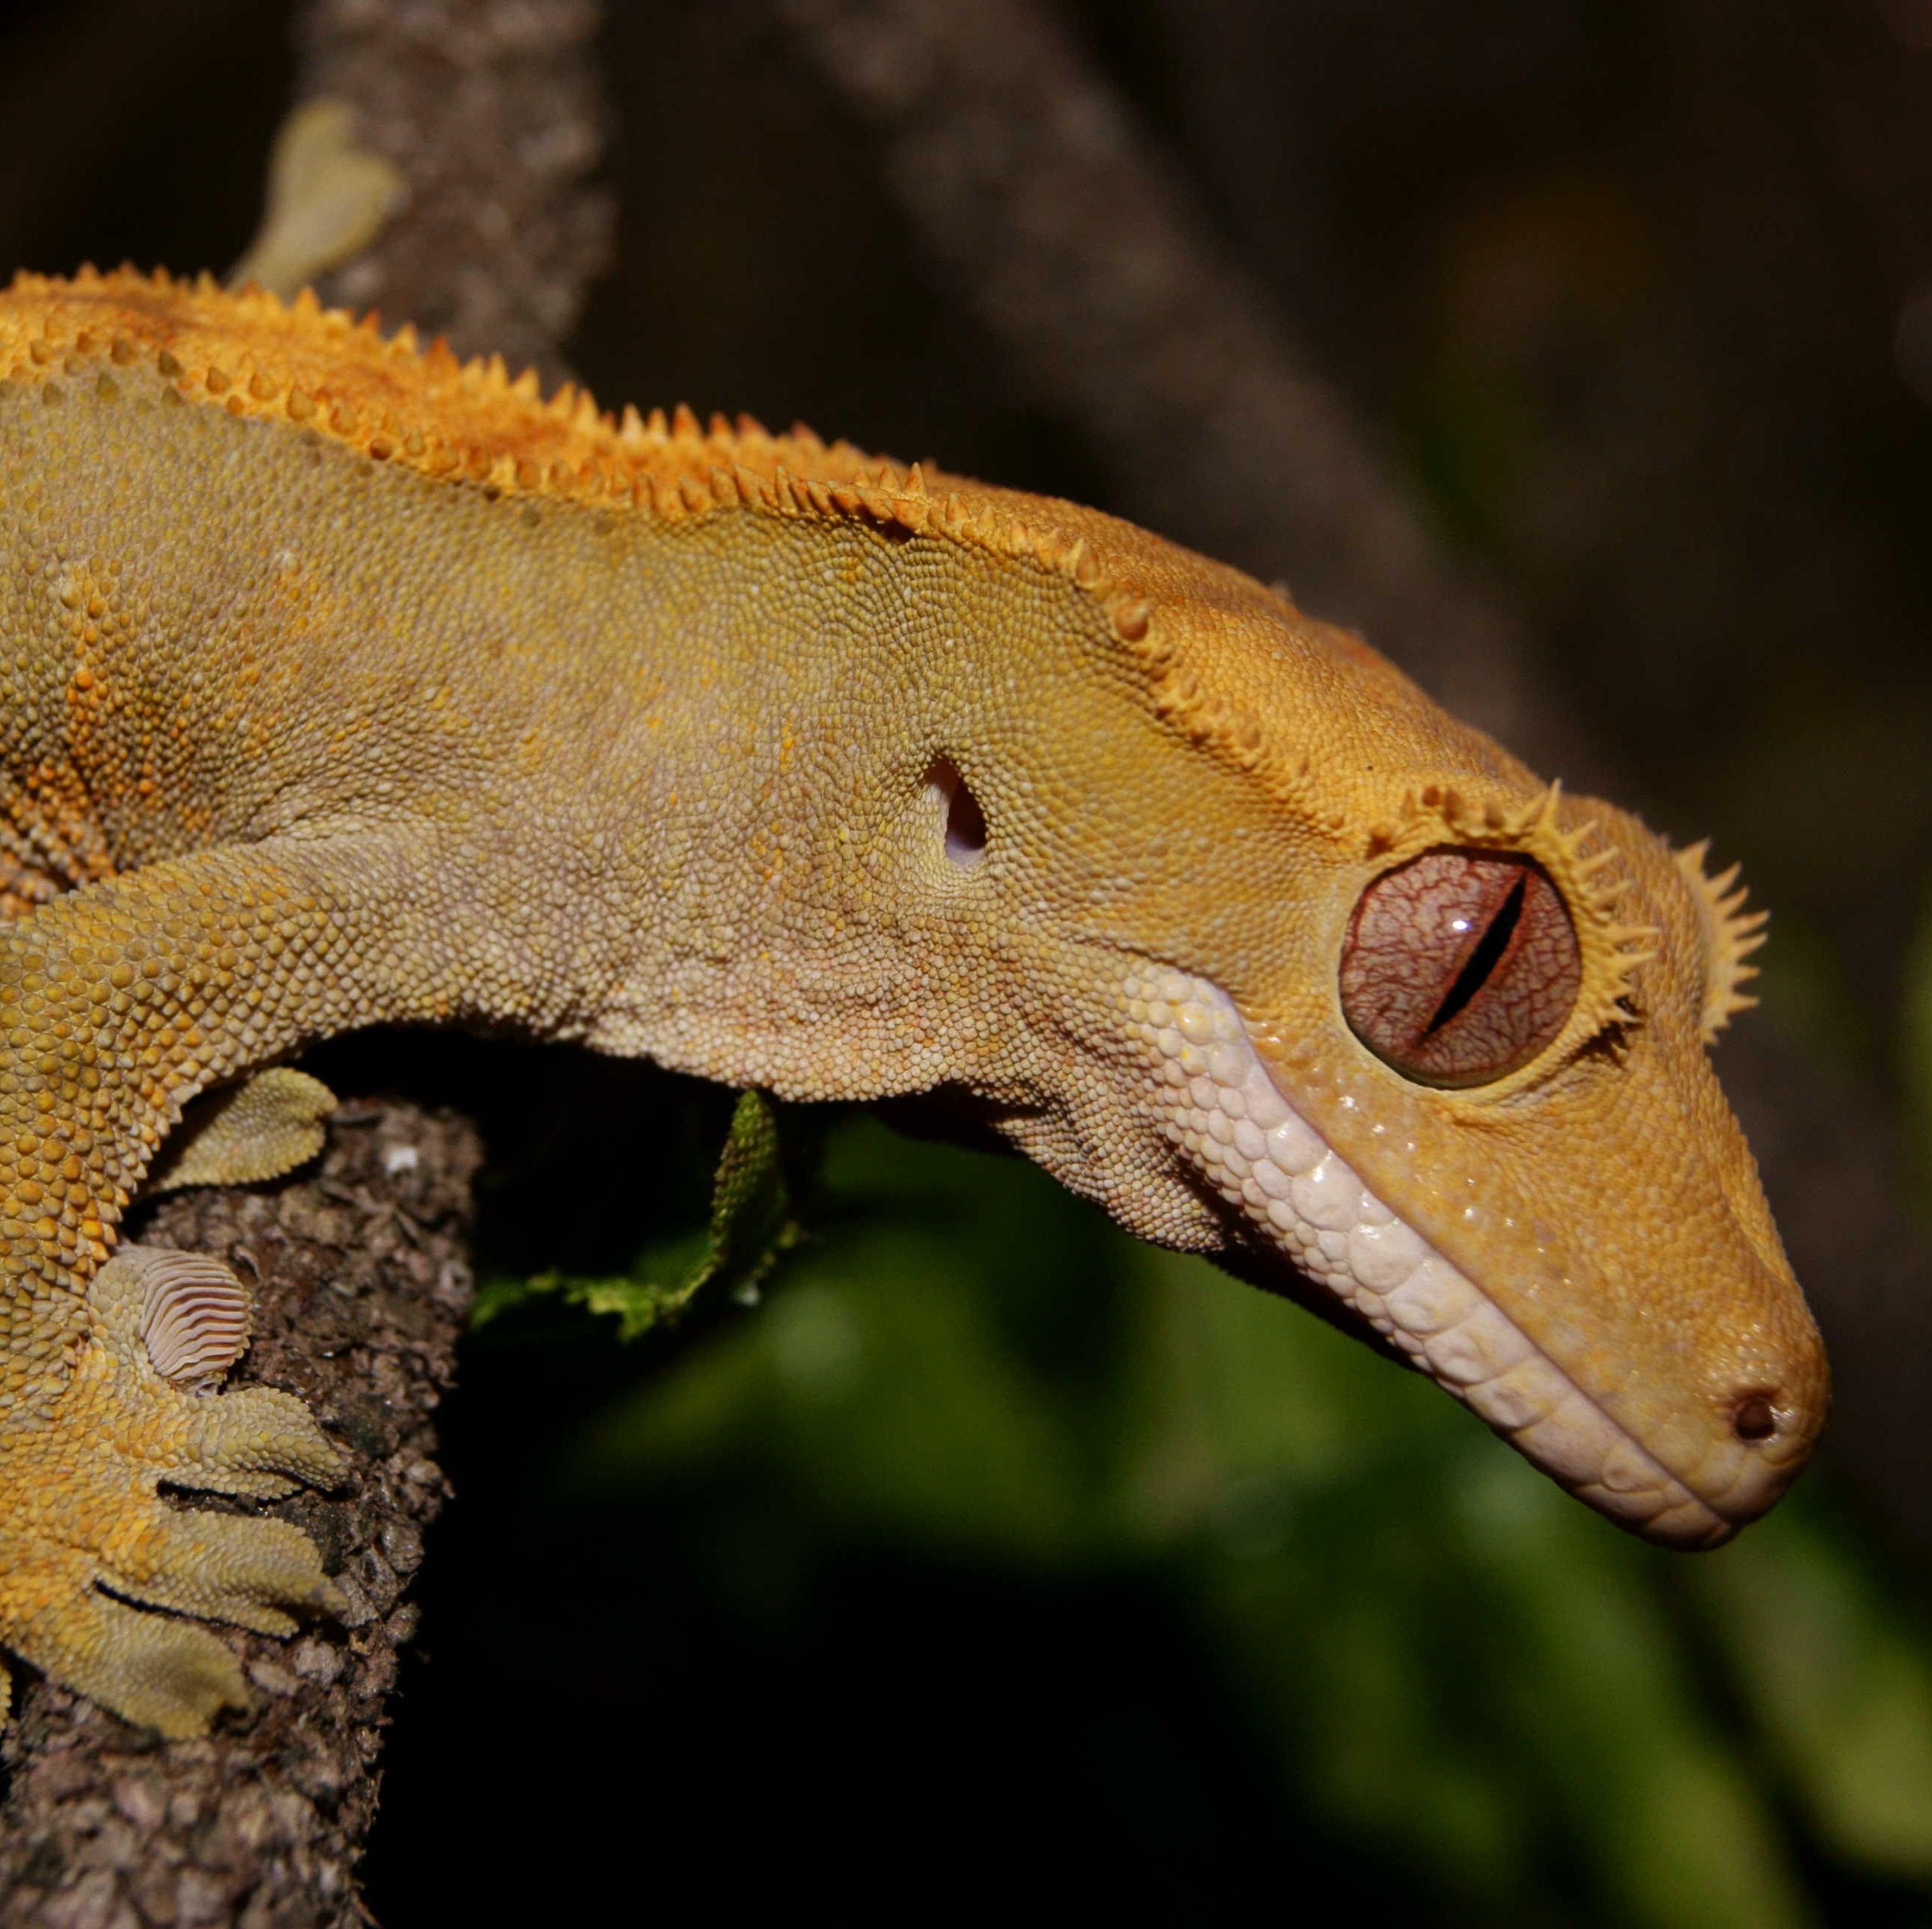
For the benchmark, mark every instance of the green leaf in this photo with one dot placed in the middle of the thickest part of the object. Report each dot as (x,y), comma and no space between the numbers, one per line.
(751,1226)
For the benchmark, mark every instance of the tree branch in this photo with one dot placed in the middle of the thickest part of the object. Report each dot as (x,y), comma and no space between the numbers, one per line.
(491,110)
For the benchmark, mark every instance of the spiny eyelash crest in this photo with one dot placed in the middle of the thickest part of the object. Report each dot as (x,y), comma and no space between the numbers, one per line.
(1731,934)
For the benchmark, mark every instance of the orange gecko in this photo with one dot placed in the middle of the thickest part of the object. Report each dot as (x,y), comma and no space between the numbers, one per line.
(346,684)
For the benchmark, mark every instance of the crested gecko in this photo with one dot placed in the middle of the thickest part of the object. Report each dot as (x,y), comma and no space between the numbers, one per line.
(346,684)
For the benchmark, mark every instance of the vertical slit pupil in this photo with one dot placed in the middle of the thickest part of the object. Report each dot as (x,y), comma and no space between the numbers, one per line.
(1481,962)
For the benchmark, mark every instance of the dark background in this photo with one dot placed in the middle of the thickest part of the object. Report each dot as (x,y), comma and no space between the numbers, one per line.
(996,1562)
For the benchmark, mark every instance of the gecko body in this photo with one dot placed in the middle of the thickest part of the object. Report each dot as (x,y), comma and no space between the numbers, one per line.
(346,684)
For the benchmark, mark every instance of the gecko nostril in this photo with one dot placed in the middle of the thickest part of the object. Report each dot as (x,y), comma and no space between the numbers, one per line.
(1754,1419)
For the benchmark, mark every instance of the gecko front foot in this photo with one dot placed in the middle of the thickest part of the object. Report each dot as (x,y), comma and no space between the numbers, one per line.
(87,1544)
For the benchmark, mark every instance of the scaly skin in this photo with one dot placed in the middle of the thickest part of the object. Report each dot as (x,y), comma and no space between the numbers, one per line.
(346,685)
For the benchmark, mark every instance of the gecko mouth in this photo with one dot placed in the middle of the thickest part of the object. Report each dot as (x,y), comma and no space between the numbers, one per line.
(1224,1113)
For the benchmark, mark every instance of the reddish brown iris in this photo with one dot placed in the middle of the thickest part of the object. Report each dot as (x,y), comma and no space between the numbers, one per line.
(1459,966)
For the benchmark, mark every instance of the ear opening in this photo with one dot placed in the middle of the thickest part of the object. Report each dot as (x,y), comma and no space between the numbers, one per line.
(965,820)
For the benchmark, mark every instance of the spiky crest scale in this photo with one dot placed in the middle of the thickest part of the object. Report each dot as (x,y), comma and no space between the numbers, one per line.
(396,401)
(1731,934)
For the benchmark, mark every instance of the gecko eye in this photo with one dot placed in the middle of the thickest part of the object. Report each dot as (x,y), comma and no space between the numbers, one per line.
(965,821)
(1459,966)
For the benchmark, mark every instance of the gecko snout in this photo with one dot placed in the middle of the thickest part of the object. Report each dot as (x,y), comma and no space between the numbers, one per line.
(1771,1414)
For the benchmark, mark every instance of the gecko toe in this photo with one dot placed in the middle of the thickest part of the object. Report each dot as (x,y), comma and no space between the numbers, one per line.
(92,1547)
(168,1675)
(169,1324)
(240,1569)
(256,1440)
(150,1669)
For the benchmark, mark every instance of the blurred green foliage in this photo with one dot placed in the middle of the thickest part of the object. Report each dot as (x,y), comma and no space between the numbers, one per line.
(1448,1671)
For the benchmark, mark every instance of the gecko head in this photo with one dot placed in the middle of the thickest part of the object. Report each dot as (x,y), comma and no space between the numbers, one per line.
(1485,1126)
(1386,1022)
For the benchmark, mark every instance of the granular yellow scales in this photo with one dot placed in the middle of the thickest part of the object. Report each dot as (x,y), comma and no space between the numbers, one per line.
(346,684)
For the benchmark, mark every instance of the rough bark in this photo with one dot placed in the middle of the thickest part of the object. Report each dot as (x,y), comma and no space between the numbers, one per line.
(362,1287)
(1050,211)
(491,110)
